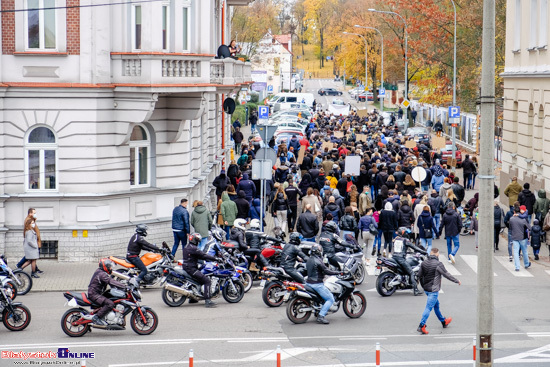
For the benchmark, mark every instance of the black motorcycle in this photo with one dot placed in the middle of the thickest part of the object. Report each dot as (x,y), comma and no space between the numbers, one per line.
(273,287)
(394,277)
(78,320)
(302,303)
(15,316)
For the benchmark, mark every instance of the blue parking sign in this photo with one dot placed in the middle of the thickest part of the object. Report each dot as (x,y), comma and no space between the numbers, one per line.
(270,88)
(454,112)
(263,112)
(382,92)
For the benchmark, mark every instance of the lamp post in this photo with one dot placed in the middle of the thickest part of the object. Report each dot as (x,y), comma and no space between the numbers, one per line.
(454,88)
(366,68)
(382,57)
(406,51)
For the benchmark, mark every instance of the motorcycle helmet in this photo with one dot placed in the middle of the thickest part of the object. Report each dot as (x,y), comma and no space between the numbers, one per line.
(240,224)
(279,233)
(255,223)
(141,229)
(403,232)
(316,250)
(295,238)
(195,239)
(106,265)
(331,227)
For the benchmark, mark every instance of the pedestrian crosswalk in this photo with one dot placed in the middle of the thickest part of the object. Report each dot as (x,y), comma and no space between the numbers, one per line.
(471,261)
(505,262)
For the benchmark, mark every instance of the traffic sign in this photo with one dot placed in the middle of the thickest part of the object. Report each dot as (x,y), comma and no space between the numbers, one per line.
(405,103)
(454,112)
(418,174)
(263,112)
(382,92)
(270,88)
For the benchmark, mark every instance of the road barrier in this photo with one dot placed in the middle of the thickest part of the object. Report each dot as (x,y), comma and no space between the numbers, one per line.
(190,357)
(474,344)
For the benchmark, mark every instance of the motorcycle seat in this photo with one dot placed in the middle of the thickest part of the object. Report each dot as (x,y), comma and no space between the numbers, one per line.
(121,261)
(81,298)
(311,290)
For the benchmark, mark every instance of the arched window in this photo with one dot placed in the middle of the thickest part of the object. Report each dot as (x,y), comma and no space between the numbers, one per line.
(41,159)
(140,152)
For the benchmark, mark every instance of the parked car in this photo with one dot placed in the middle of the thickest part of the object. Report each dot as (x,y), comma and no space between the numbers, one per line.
(329,92)
(353,92)
(447,153)
(286,135)
(420,134)
(303,113)
(290,125)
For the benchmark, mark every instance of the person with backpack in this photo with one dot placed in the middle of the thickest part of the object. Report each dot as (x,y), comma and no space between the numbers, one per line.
(426,228)
(436,206)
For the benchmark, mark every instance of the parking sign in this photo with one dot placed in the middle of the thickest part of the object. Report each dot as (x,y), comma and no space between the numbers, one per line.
(382,92)
(263,112)
(454,112)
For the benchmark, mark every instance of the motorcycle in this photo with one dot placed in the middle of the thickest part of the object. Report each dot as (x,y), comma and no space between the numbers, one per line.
(179,285)
(466,223)
(15,316)
(20,281)
(151,260)
(394,277)
(77,321)
(273,284)
(302,303)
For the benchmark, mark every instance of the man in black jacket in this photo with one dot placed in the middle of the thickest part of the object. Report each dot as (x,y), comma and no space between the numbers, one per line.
(401,246)
(308,225)
(293,194)
(97,286)
(290,255)
(136,244)
(243,205)
(468,168)
(527,197)
(453,225)
(191,257)
(329,240)
(458,190)
(430,274)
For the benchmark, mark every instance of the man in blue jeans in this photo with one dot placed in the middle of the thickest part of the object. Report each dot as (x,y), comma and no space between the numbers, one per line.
(452,224)
(316,271)
(430,274)
(518,227)
(180,225)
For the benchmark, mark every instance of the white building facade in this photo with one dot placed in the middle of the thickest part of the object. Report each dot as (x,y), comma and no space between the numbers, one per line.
(274,55)
(110,116)
(526,130)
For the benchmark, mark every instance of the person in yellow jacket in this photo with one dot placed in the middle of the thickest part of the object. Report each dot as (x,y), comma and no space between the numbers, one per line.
(332,180)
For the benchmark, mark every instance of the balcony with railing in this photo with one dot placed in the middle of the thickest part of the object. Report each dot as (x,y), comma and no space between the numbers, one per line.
(230,71)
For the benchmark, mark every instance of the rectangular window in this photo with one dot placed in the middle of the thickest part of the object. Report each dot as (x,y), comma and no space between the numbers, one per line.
(185,25)
(34,169)
(42,169)
(534,24)
(137,27)
(139,165)
(49,172)
(543,23)
(132,166)
(41,33)
(49,250)
(517,30)
(142,165)
(165,20)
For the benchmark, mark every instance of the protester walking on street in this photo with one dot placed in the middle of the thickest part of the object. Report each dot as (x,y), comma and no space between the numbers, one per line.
(220,183)
(535,237)
(527,198)
(228,211)
(541,206)
(453,225)
(498,223)
(512,191)
(426,228)
(238,139)
(201,220)
(180,225)
(518,227)
(31,214)
(388,225)
(308,224)
(430,274)
(468,169)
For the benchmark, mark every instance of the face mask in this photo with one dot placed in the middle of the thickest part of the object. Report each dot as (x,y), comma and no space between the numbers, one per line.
(32,225)
(34,216)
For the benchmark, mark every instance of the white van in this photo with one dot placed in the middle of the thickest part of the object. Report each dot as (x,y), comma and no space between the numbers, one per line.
(306,98)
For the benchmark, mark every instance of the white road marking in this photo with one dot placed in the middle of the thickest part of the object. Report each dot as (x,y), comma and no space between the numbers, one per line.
(547,272)
(504,261)
(540,355)
(471,261)
(452,270)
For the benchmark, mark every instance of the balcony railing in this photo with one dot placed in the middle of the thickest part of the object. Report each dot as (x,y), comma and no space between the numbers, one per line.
(230,71)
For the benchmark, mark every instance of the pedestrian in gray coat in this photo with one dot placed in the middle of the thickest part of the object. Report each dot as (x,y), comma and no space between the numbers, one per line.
(518,227)
(30,245)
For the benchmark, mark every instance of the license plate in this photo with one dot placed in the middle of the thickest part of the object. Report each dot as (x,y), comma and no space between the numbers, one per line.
(262,283)
(377,271)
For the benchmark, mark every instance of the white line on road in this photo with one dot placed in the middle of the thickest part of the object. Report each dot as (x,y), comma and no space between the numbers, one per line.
(452,270)
(505,262)
(471,261)
(547,272)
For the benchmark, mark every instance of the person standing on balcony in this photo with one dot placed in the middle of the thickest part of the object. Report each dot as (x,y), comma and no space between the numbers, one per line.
(234,49)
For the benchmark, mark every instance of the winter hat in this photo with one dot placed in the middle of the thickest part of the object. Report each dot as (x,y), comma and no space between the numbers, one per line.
(222,171)
(523,207)
(388,206)
(536,222)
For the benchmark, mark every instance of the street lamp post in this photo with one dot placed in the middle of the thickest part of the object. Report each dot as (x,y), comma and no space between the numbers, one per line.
(454,87)
(382,57)
(406,51)
(366,68)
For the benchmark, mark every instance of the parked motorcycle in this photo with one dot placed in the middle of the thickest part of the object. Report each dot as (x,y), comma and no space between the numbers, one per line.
(77,321)
(15,316)
(466,224)
(22,281)
(179,285)
(394,277)
(302,303)
(273,287)
(151,260)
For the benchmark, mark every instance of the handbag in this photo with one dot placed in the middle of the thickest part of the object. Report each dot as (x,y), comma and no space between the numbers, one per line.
(427,232)
(373,230)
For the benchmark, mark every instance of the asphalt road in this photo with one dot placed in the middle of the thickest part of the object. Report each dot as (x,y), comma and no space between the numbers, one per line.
(248,333)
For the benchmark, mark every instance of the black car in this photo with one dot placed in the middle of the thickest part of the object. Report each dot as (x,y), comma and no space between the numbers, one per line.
(329,92)
(421,135)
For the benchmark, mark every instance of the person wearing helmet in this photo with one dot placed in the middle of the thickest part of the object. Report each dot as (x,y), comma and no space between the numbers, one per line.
(253,241)
(136,244)
(191,257)
(97,286)
(401,244)
(237,233)
(290,254)
(316,272)
(330,242)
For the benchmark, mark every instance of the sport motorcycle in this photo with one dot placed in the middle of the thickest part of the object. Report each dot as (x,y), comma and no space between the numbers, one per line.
(21,281)
(15,316)
(77,321)
(394,277)
(273,284)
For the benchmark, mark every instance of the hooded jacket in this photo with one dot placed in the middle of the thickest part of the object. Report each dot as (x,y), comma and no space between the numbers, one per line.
(255,209)
(247,186)
(512,191)
(425,221)
(405,217)
(228,209)
(437,178)
(201,220)
(388,219)
(339,201)
(443,191)
(333,209)
(294,143)
(451,222)
(527,198)
(541,205)
(220,183)
(243,206)
(536,235)
(281,174)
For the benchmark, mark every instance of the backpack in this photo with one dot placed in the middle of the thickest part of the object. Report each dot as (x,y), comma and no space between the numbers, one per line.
(242,159)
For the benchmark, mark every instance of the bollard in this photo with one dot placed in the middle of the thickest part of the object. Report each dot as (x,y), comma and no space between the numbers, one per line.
(190,357)
(378,354)
(278,356)
(83,362)
(474,357)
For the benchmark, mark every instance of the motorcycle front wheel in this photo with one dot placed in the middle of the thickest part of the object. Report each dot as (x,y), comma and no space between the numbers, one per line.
(233,295)
(144,328)
(355,305)
(24,282)
(18,319)
(359,274)
(71,316)
(294,310)
(247,280)
(269,294)
(173,299)
(382,284)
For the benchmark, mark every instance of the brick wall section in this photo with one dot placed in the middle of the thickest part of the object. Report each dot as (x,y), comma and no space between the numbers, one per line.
(73,28)
(8,28)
